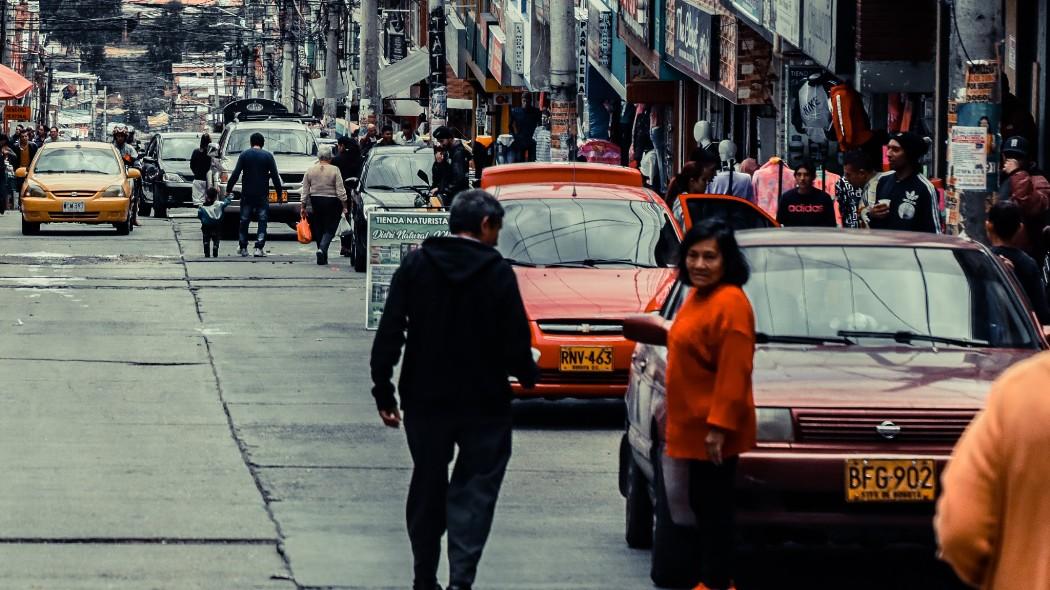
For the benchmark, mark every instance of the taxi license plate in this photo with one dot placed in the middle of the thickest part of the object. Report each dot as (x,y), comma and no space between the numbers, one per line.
(586,359)
(890,480)
(73,207)
(275,198)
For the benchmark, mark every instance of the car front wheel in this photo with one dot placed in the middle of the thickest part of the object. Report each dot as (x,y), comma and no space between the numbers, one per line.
(30,229)
(638,510)
(359,251)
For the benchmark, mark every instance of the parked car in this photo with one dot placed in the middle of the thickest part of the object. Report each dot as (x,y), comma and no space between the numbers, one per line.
(83,182)
(875,351)
(167,178)
(390,178)
(590,246)
(293,146)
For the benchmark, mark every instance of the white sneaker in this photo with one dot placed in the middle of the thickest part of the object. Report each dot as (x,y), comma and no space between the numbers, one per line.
(242,251)
(258,253)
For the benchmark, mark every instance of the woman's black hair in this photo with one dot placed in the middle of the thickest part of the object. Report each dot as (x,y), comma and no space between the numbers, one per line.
(737,270)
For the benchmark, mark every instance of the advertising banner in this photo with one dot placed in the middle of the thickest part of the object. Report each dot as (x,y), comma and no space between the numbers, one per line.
(599,33)
(969,156)
(690,39)
(391,236)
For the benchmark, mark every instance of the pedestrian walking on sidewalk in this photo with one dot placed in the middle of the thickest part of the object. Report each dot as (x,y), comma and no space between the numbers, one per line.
(324,201)
(1026,185)
(806,205)
(210,213)
(993,516)
(710,406)
(200,165)
(348,161)
(259,169)
(1005,222)
(455,293)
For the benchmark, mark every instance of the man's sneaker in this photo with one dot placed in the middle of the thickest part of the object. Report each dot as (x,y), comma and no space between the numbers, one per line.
(215,252)
(242,251)
(320,257)
(258,252)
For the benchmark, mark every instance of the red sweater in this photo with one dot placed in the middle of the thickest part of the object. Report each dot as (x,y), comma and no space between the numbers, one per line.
(710,353)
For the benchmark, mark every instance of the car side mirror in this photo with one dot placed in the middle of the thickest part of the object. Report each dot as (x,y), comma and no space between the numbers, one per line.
(647,329)
(21,173)
(423,176)
(134,174)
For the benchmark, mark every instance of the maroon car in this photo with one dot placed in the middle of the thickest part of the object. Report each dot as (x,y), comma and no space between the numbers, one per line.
(875,350)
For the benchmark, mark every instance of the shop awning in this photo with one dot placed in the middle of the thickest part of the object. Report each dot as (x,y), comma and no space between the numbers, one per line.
(12,84)
(400,76)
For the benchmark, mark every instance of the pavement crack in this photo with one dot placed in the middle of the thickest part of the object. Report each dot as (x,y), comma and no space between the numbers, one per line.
(103,361)
(131,541)
(234,432)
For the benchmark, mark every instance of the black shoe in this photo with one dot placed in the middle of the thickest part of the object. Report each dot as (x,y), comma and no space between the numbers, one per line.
(418,586)
(344,252)
(458,587)
(215,252)
(320,258)
(207,254)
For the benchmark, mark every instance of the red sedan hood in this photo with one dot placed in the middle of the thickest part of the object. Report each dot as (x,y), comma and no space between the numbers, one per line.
(577,293)
(878,377)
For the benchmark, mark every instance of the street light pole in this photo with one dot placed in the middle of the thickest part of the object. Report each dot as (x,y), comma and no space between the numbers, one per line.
(563,80)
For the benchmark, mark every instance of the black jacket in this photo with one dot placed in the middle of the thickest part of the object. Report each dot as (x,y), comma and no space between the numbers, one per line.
(451,177)
(466,328)
(200,164)
(16,158)
(349,162)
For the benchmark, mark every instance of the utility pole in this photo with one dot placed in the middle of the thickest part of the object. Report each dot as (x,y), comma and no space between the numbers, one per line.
(3,32)
(563,80)
(438,80)
(288,73)
(105,113)
(975,48)
(215,100)
(332,22)
(370,101)
(267,52)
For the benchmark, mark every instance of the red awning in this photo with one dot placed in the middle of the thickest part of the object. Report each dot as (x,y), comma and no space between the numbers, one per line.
(12,85)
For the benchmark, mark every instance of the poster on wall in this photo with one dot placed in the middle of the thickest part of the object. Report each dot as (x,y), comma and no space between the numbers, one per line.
(987,116)
(969,157)
(392,235)
(982,81)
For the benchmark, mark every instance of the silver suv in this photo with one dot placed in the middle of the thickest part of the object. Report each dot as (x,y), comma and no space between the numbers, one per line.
(292,145)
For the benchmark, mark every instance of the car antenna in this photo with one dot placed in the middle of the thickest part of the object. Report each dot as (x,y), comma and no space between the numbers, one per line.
(573,158)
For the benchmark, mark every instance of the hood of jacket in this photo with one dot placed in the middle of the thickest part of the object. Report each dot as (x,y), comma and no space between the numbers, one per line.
(460,259)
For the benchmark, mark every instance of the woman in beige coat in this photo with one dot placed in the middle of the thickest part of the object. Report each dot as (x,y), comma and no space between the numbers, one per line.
(993,517)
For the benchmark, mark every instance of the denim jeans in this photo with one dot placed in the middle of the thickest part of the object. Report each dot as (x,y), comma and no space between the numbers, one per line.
(259,209)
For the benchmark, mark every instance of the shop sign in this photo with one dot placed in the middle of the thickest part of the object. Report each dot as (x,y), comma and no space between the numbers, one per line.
(599,33)
(635,16)
(497,41)
(786,21)
(516,32)
(395,46)
(581,52)
(982,81)
(391,236)
(690,42)
(752,9)
(14,112)
(818,31)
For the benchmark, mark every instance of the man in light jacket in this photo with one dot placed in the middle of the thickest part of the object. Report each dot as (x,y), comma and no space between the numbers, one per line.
(993,517)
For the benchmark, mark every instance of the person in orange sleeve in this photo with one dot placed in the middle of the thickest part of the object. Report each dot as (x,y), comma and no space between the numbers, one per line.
(710,406)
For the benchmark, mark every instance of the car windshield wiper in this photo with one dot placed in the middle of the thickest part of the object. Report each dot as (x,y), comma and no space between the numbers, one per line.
(412,187)
(907,337)
(513,262)
(599,261)
(176,159)
(380,187)
(763,338)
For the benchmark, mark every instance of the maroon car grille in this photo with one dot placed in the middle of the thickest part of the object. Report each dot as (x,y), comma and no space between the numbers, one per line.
(924,427)
(612,378)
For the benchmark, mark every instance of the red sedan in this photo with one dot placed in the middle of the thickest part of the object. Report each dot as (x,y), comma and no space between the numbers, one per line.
(875,350)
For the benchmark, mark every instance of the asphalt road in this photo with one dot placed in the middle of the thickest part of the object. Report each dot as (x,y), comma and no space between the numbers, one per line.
(171,421)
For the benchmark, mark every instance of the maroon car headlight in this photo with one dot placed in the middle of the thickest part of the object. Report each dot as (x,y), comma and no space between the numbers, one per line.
(775,425)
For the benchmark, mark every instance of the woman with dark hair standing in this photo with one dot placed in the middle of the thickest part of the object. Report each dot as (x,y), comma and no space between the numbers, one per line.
(710,408)
(200,165)
(692,179)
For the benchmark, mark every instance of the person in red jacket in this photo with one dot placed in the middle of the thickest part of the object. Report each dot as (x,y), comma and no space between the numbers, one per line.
(710,407)
(1027,186)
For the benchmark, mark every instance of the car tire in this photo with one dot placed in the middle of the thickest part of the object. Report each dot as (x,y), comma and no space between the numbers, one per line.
(123,228)
(638,508)
(160,203)
(675,549)
(30,229)
(145,208)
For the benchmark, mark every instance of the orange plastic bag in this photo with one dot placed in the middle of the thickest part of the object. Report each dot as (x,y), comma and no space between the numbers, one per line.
(302,230)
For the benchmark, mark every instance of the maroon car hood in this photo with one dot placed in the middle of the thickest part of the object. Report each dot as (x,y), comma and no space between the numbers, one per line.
(878,377)
(571,293)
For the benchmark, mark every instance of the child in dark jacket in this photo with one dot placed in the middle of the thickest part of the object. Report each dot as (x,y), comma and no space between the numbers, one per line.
(210,214)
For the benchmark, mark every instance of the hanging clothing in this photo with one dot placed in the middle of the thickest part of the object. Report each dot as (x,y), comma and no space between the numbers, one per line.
(827,181)
(814,111)
(766,186)
(850,121)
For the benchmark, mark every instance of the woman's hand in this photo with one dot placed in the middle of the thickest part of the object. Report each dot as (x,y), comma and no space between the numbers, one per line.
(714,442)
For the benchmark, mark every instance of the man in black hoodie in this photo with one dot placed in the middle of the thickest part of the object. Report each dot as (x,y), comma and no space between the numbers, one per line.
(467,334)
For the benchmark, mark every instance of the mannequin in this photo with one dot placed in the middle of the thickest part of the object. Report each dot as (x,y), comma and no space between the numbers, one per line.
(729,181)
(702,135)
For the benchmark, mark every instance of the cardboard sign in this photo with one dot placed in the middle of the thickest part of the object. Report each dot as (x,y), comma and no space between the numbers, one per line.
(17,113)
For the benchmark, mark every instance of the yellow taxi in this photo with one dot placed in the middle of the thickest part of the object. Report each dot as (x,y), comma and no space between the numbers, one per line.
(77,182)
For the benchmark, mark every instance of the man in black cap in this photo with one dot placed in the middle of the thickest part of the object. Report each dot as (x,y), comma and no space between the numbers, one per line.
(905,200)
(453,177)
(1027,186)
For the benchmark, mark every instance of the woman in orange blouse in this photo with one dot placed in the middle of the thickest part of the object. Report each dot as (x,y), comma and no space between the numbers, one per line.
(710,408)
